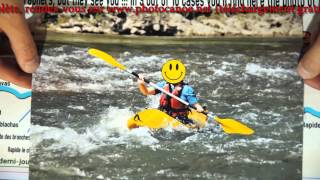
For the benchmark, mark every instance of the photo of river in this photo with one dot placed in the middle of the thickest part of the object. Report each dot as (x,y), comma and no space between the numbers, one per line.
(80,108)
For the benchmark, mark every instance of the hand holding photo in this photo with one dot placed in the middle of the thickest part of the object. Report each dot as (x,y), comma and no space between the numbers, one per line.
(15,27)
(309,66)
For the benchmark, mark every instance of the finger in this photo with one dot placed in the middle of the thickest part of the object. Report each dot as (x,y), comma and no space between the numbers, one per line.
(309,66)
(15,27)
(10,71)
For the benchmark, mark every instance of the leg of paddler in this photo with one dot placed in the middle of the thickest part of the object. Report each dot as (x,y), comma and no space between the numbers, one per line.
(185,120)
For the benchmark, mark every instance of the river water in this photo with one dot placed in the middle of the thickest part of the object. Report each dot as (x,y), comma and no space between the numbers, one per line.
(81,106)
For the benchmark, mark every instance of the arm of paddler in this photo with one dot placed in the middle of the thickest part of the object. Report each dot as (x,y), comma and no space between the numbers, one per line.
(191,98)
(143,89)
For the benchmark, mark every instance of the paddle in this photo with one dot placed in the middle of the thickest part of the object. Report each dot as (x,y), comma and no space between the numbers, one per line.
(229,126)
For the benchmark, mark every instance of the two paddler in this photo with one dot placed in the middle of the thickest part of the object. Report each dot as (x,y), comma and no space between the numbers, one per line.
(173,72)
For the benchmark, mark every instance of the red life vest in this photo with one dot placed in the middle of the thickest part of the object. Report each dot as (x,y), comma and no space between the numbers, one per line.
(172,106)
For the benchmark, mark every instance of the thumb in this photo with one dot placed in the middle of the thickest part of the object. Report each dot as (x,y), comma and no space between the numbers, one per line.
(309,66)
(15,27)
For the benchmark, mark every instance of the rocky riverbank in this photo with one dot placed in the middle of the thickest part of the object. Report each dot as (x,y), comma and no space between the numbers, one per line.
(174,24)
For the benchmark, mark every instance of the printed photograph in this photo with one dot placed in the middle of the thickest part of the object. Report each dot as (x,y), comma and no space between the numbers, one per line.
(178,96)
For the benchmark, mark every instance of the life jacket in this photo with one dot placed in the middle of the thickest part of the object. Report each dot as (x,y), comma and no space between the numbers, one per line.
(172,106)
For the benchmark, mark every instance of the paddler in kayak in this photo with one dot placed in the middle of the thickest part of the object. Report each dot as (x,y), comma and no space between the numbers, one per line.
(173,72)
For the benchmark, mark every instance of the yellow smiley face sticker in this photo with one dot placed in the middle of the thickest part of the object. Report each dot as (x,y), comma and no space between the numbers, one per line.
(173,71)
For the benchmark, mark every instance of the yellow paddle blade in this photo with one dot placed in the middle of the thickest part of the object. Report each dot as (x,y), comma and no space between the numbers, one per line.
(152,118)
(106,57)
(231,126)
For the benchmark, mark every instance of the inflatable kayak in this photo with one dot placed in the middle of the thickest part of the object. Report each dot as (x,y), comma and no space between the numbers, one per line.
(156,119)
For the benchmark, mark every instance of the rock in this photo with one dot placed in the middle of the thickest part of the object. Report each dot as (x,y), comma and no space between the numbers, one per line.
(295,30)
(69,30)
(200,29)
(142,32)
(133,30)
(171,24)
(156,27)
(92,29)
(66,25)
(213,23)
